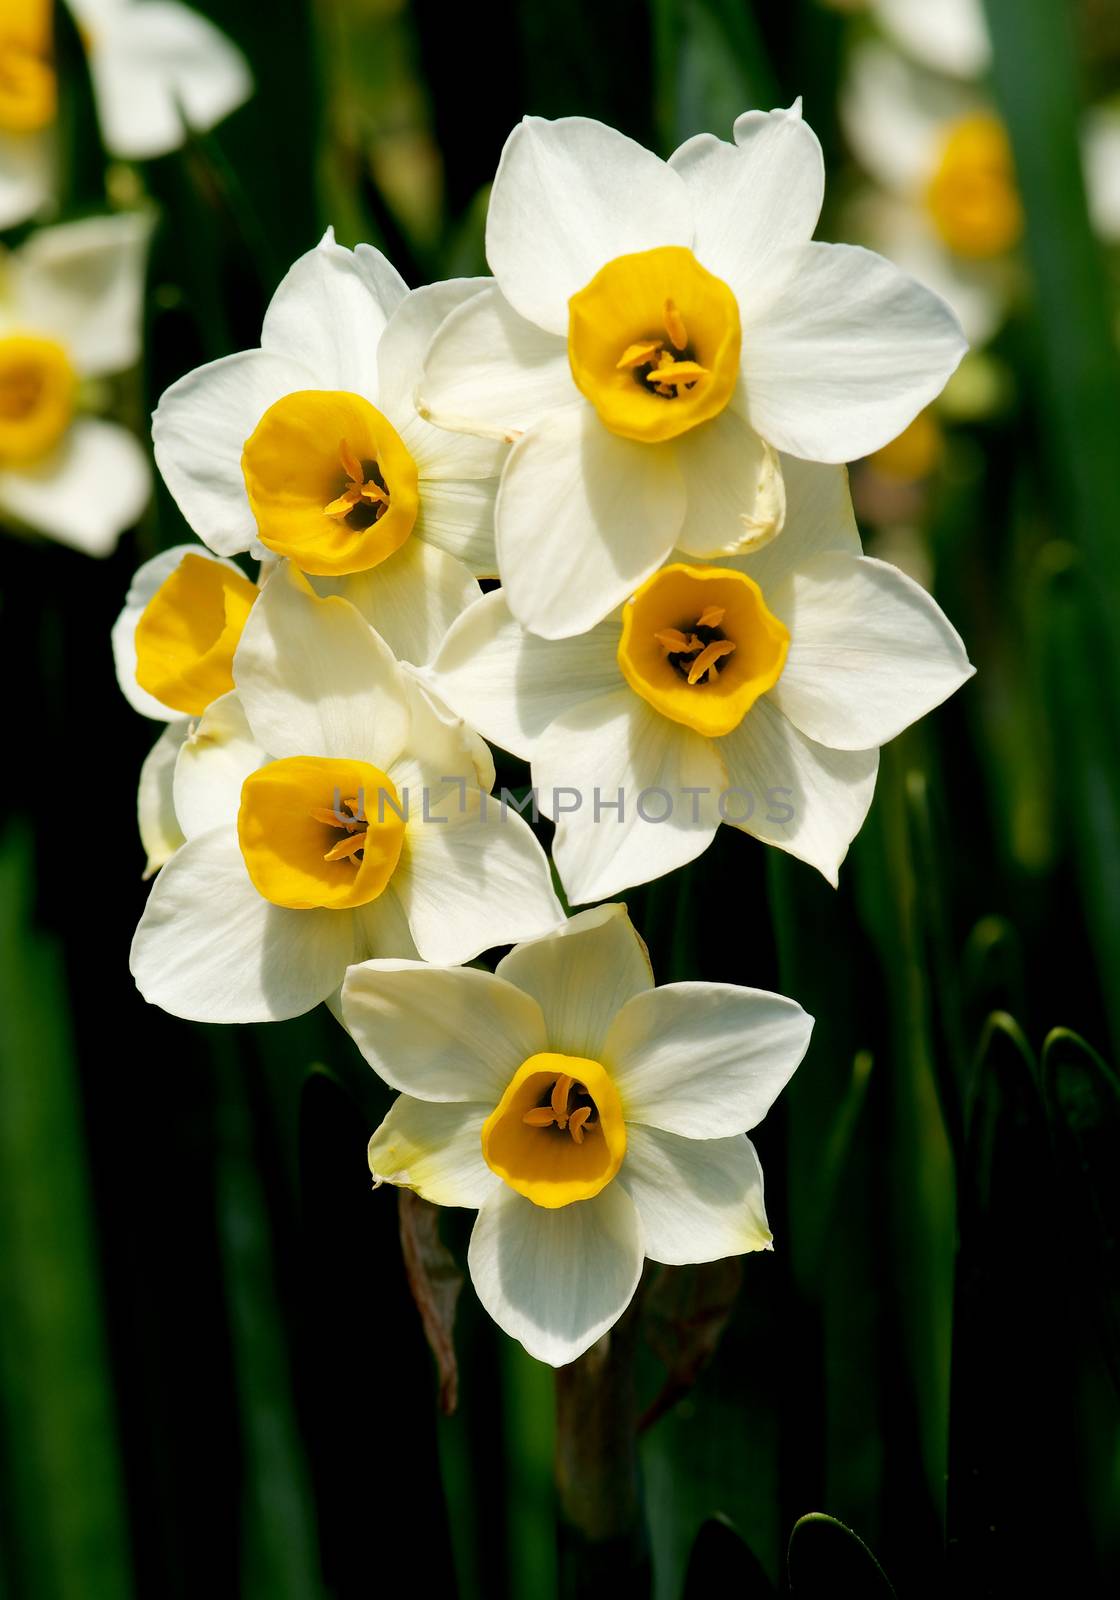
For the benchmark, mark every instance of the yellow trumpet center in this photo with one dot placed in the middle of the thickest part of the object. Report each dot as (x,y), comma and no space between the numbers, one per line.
(330,482)
(700,645)
(188,632)
(973,197)
(316,832)
(557,1134)
(37,389)
(28,89)
(653,342)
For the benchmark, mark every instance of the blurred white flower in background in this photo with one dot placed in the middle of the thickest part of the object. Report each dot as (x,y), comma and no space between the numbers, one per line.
(28,101)
(70,312)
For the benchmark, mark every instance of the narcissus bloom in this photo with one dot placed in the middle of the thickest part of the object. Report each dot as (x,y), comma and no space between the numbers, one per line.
(592,1119)
(656,332)
(754,691)
(311,448)
(69,312)
(160,71)
(331,811)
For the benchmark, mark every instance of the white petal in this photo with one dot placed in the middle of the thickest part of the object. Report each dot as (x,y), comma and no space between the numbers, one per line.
(583,517)
(705,1060)
(457,516)
(86,492)
(870,652)
(26,175)
(435,1150)
(411,599)
(211,949)
(315,679)
(160,833)
(510,684)
(409,332)
(790,792)
(442,748)
(471,876)
(330,312)
(1100,146)
(441,1033)
(697,1199)
(213,764)
(83,284)
(949,36)
(568,197)
(146,580)
(896,118)
(819,518)
(667,777)
(846,354)
(156,67)
(754,199)
(735,498)
(581,976)
(199,431)
(556,1280)
(490,371)
(381,932)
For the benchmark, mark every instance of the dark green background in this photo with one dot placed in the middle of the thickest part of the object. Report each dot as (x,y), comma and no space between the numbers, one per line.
(212,1377)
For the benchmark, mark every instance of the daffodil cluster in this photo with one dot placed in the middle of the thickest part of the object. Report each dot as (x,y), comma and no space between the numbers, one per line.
(638,426)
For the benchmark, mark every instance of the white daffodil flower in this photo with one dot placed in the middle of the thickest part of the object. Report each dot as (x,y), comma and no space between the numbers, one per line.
(331,811)
(755,691)
(28,107)
(947,207)
(311,447)
(70,307)
(592,1119)
(656,332)
(160,71)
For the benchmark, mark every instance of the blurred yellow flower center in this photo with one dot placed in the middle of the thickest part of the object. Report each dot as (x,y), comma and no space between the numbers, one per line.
(972,197)
(37,388)
(558,1133)
(915,452)
(28,90)
(330,482)
(699,645)
(188,632)
(319,832)
(653,342)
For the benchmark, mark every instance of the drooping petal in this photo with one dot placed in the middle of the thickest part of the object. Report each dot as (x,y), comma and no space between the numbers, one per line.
(158,70)
(819,518)
(211,949)
(199,431)
(697,1199)
(411,599)
(490,371)
(556,1280)
(735,497)
(435,1150)
(472,875)
(329,313)
(441,1033)
(870,652)
(569,196)
(705,1060)
(583,517)
(86,492)
(510,684)
(83,284)
(791,792)
(160,833)
(753,200)
(315,679)
(146,580)
(216,758)
(581,976)
(618,749)
(846,354)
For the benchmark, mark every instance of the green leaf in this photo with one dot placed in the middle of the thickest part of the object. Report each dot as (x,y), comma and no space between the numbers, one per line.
(826,1558)
(722,1562)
